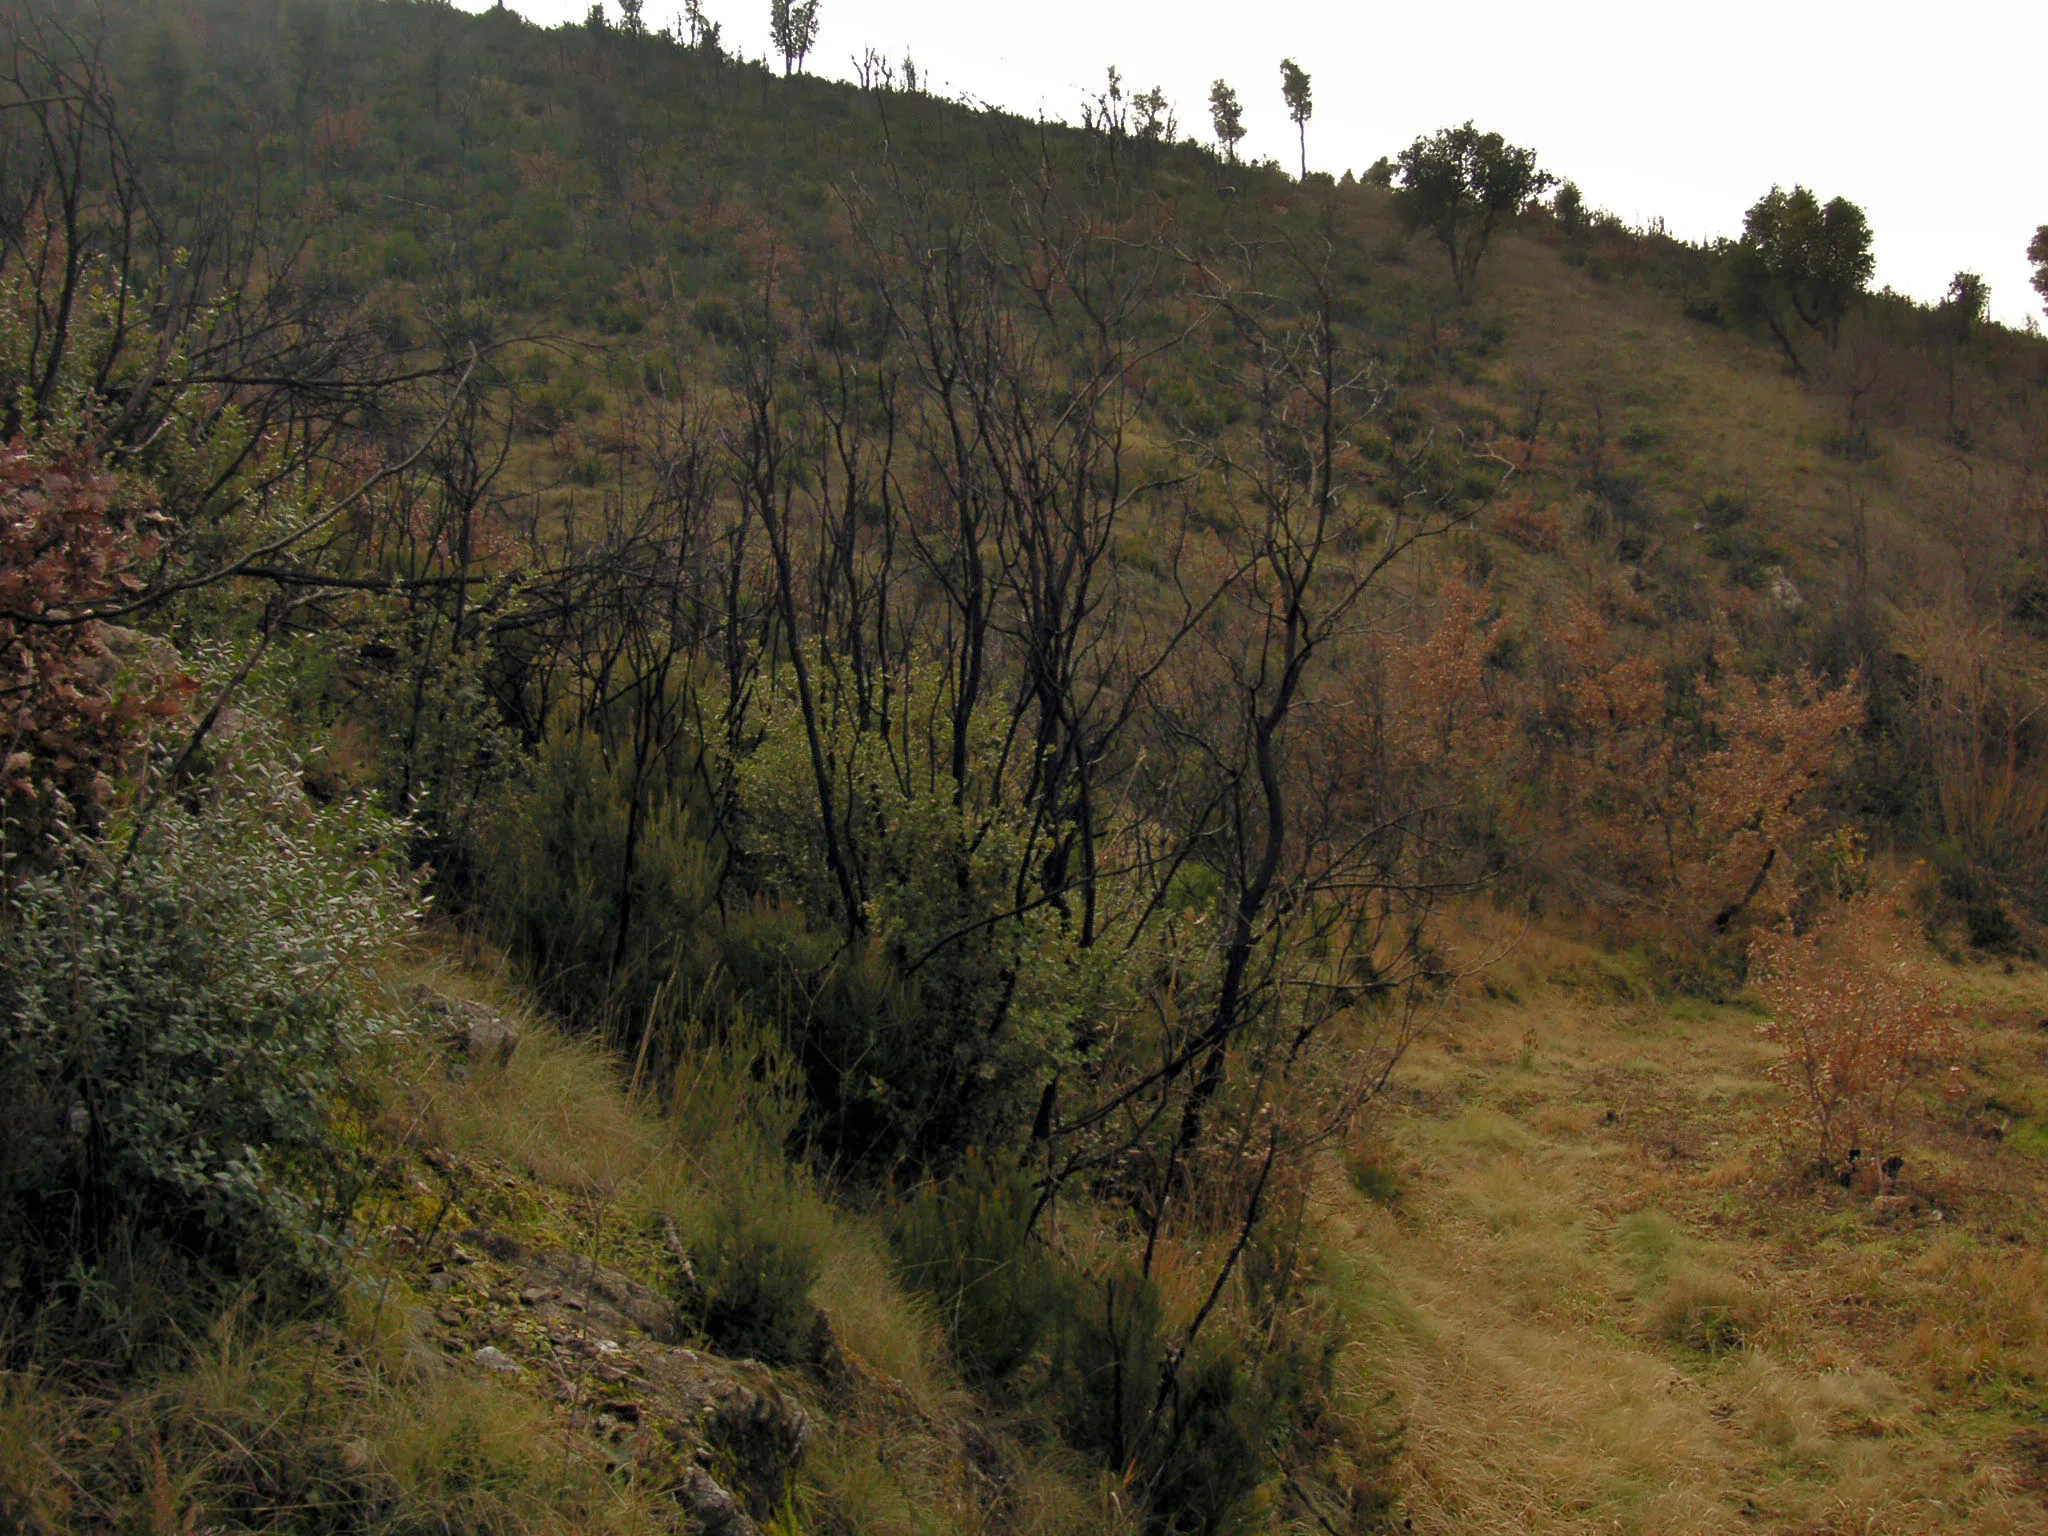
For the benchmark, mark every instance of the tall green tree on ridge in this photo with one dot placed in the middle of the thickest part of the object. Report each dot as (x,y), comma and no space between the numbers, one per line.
(1460,185)
(2037,253)
(793,27)
(1800,260)
(1967,304)
(1156,120)
(1294,85)
(1226,116)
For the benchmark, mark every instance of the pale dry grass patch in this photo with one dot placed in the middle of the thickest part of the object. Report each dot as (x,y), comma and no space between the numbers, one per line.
(1523,1413)
(35,1492)
(879,1480)
(1750,1362)
(1730,1172)
(1983,1315)
(556,1111)
(875,1319)
(1520,1429)
(1481,1129)
(1801,1418)
(1573,1120)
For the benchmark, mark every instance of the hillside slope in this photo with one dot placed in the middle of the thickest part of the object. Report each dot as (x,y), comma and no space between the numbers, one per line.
(1097,862)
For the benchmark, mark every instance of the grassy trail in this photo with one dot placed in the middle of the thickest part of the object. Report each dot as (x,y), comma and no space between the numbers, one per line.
(1605,1307)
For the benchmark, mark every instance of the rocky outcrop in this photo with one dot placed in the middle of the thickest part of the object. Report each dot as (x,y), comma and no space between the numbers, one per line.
(607,1350)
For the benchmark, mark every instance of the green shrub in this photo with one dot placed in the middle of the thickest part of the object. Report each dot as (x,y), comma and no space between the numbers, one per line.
(1722,510)
(1968,899)
(601,936)
(1107,1352)
(1246,1428)
(931,1032)
(181,1017)
(1199,1452)
(1375,1173)
(937,1030)
(1707,1310)
(755,1267)
(1206,1448)
(968,1245)
(1687,1302)
(1210,1454)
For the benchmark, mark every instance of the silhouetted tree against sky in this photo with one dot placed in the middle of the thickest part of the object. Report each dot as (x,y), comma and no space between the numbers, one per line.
(1798,259)
(702,29)
(793,27)
(1968,301)
(1156,120)
(1294,85)
(1569,208)
(1226,115)
(1461,185)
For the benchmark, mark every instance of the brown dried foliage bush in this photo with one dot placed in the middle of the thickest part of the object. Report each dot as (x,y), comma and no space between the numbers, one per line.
(1702,813)
(1862,1025)
(77,695)
(1540,530)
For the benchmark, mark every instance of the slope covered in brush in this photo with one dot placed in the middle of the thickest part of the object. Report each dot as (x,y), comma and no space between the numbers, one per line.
(997,673)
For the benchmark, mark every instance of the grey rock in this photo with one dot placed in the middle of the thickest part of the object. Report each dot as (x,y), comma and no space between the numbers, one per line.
(496,1360)
(475,1033)
(714,1510)
(488,1037)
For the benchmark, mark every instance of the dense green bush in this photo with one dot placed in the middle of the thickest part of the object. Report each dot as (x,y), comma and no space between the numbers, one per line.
(755,1266)
(1966,900)
(756,1232)
(181,1010)
(1199,1451)
(968,1245)
(933,1029)
(929,1033)
(603,910)
(1198,1454)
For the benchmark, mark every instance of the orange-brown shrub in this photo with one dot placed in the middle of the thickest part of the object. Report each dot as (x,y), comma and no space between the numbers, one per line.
(1860,1023)
(1980,702)
(72,537)
(1701,814)
(1536,529)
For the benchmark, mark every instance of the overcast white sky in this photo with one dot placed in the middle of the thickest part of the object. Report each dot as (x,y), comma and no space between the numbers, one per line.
(1929,115)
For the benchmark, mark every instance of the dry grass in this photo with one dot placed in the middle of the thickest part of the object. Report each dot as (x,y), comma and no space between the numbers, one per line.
(1607,1307)
(273,1428)
(555,1111)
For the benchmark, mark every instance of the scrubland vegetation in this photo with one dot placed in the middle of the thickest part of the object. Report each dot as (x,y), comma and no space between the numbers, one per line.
(736,804)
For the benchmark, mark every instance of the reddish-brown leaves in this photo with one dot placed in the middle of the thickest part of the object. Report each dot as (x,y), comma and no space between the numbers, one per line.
(76,694)
(1860,1024)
